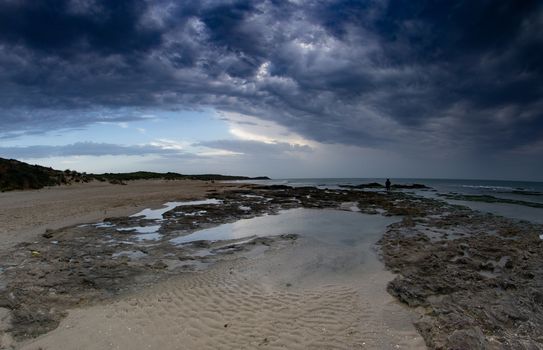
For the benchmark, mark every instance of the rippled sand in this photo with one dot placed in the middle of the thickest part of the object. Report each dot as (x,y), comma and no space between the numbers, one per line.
(308,295)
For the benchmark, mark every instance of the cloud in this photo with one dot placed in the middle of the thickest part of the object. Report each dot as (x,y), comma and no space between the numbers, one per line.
(250,128)
(367,73)
(254,148)
(68,26)
(87,149)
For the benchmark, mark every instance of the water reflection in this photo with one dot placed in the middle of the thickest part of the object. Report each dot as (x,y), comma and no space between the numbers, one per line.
(156,214)
(329,226)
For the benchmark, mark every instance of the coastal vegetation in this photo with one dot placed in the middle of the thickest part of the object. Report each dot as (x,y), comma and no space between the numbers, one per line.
(17,175)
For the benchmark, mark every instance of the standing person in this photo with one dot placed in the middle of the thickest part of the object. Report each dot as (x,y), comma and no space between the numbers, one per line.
(387,184)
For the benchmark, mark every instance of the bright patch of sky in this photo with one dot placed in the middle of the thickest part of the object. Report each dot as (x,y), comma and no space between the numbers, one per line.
(184,127)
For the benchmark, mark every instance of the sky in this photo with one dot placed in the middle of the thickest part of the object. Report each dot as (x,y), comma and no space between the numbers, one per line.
(293,88)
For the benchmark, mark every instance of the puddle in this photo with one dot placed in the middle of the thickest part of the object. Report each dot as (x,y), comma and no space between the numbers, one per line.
(150,233)
(252,196)
(145,233)
(141,229)
(196,213)
(201,253)
(156,214)
(103,224)
(488,274)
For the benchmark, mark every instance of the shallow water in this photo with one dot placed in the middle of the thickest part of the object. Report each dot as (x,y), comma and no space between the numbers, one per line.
(328,226)
(141,229)
(156,214)
(513,211)
(335,249)
(151,233)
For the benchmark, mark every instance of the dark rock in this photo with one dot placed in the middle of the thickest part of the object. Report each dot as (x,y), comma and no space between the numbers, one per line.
(159,265)
(487,265)
(407,291)
(537,297)
(527,193)
(367,185)
(48,234)
(509,264)
(410,186)
(273,187)
(464,339)
(201,244)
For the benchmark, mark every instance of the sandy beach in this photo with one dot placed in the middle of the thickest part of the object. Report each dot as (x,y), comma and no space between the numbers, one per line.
(26,214)
(261,297)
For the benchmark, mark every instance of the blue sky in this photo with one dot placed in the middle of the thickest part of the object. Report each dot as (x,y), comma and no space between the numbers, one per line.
(190,126)
(334,88)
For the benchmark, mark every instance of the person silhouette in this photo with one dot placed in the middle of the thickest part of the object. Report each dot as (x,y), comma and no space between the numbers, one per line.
(387,184)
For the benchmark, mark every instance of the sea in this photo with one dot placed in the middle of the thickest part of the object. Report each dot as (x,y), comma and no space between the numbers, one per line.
(521,191)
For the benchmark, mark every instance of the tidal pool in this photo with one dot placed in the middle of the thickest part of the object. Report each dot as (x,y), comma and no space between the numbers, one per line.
(329,226)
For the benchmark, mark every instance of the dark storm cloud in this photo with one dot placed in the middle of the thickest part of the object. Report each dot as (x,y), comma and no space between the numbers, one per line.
(355,72)
(83,149)
(62,27)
